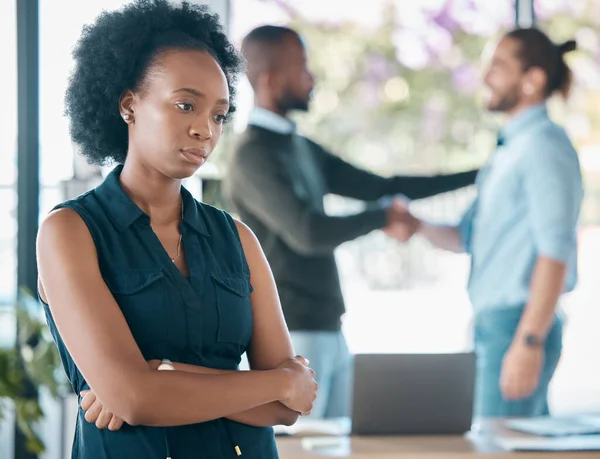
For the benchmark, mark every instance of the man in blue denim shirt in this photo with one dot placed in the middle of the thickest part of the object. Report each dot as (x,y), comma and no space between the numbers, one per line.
(521,231)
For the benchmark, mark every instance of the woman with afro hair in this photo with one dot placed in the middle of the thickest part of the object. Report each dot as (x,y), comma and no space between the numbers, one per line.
(137,277)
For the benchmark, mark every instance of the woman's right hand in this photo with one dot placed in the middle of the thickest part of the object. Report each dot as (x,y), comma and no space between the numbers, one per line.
(302,389)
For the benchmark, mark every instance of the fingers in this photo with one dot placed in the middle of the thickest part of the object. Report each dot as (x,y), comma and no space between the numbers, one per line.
(302,360)
(309,408)
(315,387)
(511,392)
(506,382)
(93,413)
(115,423)
(304,391)
(88,400)
(515,386)
(400,204)
(104,419)
(517,390)
(399,231)
(402,225)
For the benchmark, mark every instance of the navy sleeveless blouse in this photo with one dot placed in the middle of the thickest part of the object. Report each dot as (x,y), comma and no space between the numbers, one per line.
(204,320)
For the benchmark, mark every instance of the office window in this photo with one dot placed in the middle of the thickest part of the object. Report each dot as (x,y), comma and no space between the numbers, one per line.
(57,39)
(8,196)
(8,156)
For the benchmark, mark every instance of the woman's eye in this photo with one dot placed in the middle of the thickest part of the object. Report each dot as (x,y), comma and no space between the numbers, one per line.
(185,107)
(221,118)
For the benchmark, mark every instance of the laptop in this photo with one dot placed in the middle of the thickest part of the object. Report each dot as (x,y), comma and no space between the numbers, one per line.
(413,394)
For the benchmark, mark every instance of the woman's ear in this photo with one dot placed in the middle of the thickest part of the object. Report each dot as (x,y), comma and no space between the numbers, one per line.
(126,109)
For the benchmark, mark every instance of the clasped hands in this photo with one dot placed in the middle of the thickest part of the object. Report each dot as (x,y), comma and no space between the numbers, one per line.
(401,224)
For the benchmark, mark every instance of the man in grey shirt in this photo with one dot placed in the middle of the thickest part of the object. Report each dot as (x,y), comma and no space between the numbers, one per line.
(277,181)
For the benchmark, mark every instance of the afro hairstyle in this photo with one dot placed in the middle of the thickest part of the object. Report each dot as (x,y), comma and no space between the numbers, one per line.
(116,52)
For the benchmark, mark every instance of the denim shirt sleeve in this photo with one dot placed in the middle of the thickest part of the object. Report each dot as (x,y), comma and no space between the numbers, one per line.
(465,226)
(553,191)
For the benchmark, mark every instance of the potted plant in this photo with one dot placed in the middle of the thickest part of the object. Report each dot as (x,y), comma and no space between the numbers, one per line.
(31,364)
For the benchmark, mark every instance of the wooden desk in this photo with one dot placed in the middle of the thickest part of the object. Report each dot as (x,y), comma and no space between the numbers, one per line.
(471,445)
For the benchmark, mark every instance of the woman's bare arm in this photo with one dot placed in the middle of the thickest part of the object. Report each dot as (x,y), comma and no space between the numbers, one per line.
(271,344)
(100,342)
(271,414)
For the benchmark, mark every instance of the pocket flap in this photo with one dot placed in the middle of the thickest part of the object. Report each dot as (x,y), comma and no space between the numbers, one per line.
(240,285)
(132,281)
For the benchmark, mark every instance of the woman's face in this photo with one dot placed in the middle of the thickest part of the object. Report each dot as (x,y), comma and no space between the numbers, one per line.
(176,119)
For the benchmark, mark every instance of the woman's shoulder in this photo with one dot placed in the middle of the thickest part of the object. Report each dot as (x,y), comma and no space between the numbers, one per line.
(213,220)
(62,218)
(227,235)
(64,238)
(218,219)
(82,204)
(75,219)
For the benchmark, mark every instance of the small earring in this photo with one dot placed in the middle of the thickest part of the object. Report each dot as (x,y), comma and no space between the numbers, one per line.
(126,117)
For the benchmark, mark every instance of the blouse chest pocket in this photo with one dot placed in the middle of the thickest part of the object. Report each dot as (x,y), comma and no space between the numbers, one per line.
(234,309)
(143,299)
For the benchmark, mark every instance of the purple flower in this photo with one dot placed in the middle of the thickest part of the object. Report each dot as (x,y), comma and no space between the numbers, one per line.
(481,17)
(411,51)
(439,40)
(444,18)
(377,68)
(465,78)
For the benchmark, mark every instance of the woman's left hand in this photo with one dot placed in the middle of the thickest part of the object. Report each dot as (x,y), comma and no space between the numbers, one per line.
(95,412)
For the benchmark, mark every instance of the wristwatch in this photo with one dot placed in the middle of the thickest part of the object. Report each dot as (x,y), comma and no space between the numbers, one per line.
(166,365)
(531,340)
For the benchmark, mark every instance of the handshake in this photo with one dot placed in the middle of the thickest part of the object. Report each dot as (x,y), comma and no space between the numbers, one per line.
(401,224)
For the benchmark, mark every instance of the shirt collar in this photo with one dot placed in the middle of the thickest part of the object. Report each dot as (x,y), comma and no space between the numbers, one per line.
(271,121)
(123,212)
(523,120)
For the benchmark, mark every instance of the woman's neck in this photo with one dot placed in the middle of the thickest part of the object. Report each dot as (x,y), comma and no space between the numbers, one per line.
(154,193)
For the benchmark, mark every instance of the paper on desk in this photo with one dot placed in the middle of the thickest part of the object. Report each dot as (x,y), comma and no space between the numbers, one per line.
(316,427)
(557,425)
(570,443)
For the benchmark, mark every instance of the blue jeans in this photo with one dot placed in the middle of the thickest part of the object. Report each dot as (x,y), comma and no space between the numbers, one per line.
(494,332)
(334,368)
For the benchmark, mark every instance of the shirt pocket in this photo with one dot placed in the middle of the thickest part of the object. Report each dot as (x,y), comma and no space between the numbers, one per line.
(143,300)
(234,309)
